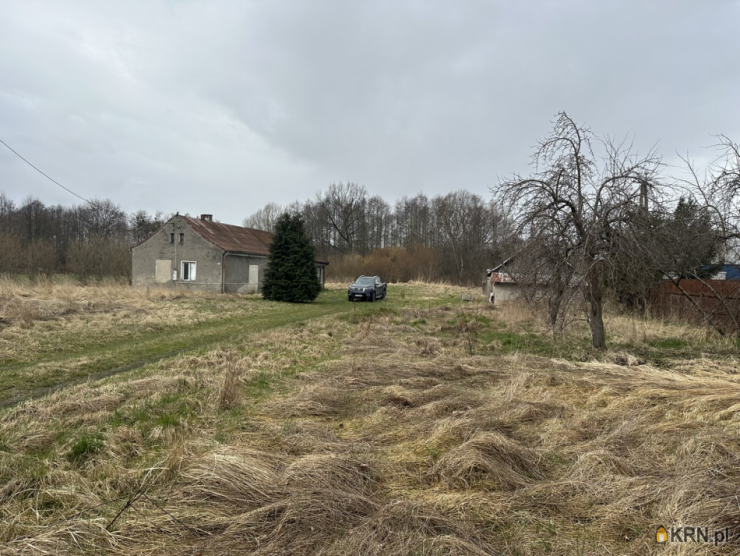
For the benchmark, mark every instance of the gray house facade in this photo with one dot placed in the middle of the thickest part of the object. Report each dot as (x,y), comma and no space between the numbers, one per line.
(203,255)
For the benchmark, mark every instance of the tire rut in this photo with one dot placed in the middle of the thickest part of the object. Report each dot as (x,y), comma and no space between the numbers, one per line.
(99,375)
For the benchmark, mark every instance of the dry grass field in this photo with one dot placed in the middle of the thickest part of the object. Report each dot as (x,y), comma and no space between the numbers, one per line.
(415,425)
(56,333)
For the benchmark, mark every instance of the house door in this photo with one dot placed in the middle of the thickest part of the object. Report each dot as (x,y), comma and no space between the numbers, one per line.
(162,270)
(254,273)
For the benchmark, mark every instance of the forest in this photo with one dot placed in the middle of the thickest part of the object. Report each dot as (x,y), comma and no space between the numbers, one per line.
(89,240)
(450,238)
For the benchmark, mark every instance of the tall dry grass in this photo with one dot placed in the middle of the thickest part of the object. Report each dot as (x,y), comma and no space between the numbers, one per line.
(51,297)
(354,437)
(46,315)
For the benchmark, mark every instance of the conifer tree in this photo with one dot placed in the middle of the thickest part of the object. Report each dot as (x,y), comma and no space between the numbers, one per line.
(291,274)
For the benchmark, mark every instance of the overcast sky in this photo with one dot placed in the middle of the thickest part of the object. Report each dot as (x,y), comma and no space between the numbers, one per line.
(222,106)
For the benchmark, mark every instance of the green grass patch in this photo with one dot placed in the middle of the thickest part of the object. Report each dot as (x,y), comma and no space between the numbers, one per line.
(664,352)
(668,343)
(168,411)
(85,447)
(261,385)
(512,341)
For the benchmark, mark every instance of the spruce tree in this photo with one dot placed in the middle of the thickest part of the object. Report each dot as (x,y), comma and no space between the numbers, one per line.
(291,274)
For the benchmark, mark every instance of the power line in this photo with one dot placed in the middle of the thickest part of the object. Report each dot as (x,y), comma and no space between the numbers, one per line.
(43,174)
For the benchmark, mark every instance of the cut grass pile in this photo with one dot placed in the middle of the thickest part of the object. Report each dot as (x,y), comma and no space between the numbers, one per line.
(397,428)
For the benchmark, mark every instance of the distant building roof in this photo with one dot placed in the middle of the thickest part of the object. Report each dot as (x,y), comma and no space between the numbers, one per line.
(502,278)
(501,267)
(499,274)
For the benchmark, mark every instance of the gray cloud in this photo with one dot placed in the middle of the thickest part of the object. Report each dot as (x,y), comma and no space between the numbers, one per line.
(223,106)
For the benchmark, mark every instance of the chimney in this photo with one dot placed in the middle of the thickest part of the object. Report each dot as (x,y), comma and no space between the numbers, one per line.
(206,217)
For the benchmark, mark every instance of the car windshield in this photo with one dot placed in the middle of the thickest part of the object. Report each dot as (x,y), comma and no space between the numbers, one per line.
(365,281)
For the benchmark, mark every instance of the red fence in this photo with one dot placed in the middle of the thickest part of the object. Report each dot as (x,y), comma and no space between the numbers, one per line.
(720,299)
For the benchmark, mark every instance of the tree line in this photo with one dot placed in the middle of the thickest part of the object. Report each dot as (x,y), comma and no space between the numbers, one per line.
(451,237)
(92,239)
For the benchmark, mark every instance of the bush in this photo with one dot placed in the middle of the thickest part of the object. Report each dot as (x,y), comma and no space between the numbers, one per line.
(99,257)
(11,254)
(39,258)
(392,264)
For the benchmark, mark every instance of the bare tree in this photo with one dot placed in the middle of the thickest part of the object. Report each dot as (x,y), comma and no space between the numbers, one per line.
(378,220)
(104,219)
(718,191)
(705,229)
(344,206)
(7,214)
(545,274)
(265,218)
(587,203)
(142,225)
(415,222)
(466,225)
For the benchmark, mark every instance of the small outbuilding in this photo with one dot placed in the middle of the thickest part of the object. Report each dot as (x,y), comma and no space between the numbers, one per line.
(200,254)
(500,281)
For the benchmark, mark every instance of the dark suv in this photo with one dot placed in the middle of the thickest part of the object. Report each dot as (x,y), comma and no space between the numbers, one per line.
(367,288)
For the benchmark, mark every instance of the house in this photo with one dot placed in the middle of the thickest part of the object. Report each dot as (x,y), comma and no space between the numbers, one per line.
(723,271)
(203,255)
(713,299)
(500,280)
(716,271)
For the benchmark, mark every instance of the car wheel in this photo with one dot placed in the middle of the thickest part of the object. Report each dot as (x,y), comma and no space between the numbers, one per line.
(372,297)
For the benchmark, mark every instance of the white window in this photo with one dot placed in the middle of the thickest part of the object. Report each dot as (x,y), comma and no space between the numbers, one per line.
(188,271)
